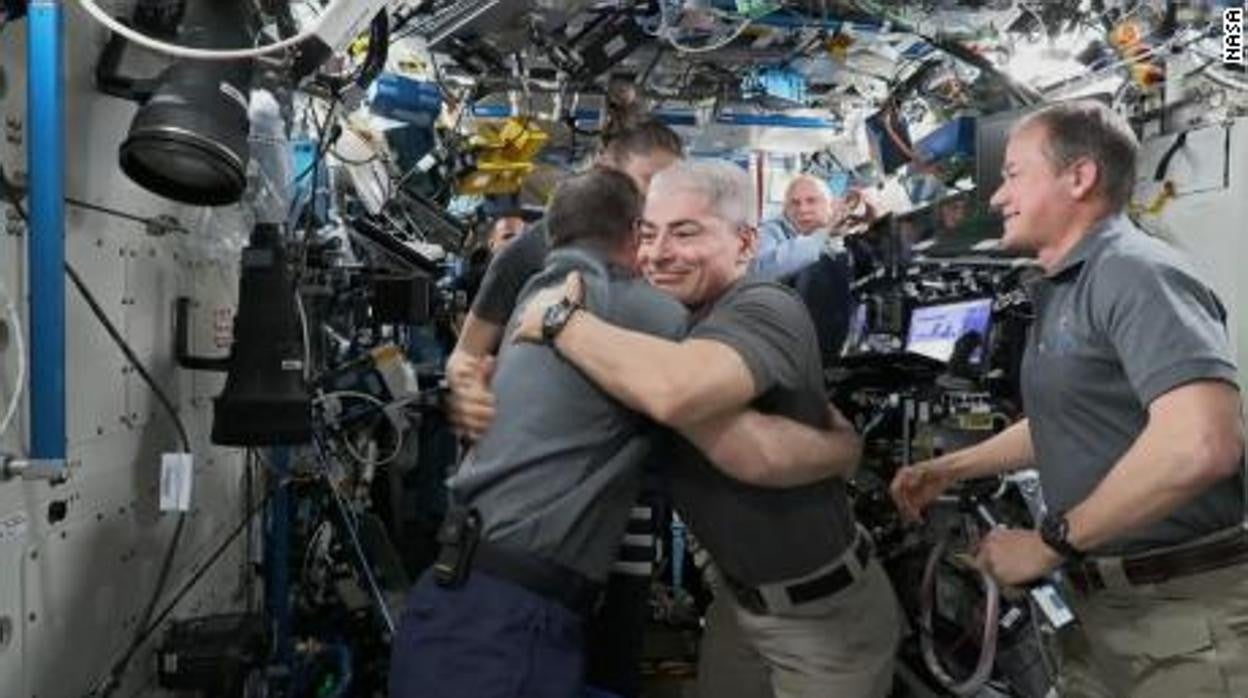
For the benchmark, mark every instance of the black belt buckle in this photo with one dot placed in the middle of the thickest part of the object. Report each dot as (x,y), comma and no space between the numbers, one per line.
(457,539)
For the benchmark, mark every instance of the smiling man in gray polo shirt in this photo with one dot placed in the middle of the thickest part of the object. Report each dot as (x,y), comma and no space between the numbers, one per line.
(1133,422)
(807,593)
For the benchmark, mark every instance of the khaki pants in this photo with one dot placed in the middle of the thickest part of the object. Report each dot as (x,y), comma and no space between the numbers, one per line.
(1187,637)
(846,651)
(728,666)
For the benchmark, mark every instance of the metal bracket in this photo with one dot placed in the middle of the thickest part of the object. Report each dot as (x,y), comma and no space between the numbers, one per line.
(54,470)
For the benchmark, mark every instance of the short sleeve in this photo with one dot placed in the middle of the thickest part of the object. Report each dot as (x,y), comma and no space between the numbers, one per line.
(770,328)
(507,274)
(1167,327)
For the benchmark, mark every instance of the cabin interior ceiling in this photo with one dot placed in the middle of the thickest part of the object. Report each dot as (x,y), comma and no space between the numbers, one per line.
(851,56)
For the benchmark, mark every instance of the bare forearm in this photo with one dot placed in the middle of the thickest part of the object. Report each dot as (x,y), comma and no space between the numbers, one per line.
(1141,489)
(468,369)
(1005,452)
(676,384)
(478,338)
(621,362)
(1194,439)
(772,451)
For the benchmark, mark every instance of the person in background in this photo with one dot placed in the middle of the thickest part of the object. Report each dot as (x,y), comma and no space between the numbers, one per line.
(637,151)
(503,230)
(807,230)
(951,213)
(504,220)
(804,248)
(1133,422)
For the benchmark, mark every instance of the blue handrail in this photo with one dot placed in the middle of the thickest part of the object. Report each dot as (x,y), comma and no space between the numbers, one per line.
(46,241)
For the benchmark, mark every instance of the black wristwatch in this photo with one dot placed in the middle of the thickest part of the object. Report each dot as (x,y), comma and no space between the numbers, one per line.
(556,318)
(1055,532)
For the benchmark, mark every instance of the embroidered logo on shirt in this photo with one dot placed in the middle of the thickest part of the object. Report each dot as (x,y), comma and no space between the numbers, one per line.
(1063,341)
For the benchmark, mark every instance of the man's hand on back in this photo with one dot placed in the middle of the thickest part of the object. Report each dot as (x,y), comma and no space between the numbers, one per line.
(472,403)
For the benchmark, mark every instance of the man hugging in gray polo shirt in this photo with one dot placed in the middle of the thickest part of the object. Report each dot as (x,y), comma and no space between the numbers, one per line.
(552,481)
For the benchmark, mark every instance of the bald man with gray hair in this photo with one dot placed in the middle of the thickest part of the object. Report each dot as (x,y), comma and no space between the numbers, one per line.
(804,249)
(807,230)
(804,592)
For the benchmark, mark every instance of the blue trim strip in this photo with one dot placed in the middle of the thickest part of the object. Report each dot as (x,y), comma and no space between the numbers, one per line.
(685,118)
(777,121)
(46,243)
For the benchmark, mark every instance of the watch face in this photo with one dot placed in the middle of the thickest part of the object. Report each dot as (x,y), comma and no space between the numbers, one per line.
(555,317)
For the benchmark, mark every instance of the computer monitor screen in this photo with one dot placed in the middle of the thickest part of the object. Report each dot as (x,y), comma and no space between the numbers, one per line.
(934,329)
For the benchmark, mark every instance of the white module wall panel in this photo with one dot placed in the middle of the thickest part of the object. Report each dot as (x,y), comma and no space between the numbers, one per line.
(93,358)
(152,288)
(91,575)
(13,528)
(1200,165)
(76,586)
(1209,215)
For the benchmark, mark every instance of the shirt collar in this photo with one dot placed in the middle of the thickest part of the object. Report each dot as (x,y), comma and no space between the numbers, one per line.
(1095,240)
(581,253)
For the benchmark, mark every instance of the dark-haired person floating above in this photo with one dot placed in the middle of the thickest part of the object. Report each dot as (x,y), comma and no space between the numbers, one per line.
(637,151)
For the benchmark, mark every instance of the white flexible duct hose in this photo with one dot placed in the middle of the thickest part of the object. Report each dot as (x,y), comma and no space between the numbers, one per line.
(988,642)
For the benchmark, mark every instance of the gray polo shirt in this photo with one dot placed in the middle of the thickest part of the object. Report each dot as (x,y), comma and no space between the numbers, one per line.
(759,535)
(560,467)
(1122,320)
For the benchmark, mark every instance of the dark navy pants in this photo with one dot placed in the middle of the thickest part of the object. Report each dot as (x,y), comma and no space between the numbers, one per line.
(486,639)
(616,637)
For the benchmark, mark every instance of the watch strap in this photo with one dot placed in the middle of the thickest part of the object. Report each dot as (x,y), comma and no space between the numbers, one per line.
(557,317)
(1055,532)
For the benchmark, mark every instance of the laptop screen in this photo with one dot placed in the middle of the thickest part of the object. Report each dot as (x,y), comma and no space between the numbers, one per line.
(934,329)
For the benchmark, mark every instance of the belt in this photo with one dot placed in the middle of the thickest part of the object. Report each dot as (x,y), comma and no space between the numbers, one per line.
(781,596)
(1153,568)
(543,577)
